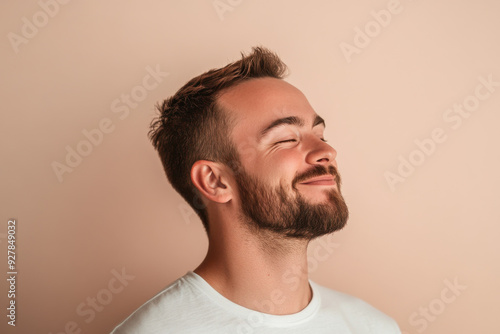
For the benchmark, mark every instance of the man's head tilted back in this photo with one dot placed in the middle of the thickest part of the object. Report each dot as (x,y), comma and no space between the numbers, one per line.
(246,150)
(241,144)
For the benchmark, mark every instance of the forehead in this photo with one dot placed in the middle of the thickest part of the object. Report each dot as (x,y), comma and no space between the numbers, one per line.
(256,103)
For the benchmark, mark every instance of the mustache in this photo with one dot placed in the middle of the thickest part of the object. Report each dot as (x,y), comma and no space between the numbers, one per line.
(317,171)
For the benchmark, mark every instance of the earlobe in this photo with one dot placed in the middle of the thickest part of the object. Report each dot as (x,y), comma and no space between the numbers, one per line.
(209,179)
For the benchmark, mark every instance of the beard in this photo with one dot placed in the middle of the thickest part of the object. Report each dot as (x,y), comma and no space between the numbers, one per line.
(266,208)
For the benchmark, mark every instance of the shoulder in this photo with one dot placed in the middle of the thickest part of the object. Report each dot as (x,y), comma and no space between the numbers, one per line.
(166,308)
(355,312)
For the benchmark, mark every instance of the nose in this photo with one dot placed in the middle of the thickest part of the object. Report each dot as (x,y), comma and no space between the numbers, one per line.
(320,153)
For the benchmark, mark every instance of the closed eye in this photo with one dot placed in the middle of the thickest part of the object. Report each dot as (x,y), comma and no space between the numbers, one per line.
(286,141)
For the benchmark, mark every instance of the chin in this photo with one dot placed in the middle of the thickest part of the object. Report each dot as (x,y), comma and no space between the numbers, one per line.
(319,197)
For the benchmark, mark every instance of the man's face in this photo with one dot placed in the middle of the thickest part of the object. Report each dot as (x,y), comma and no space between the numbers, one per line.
(287,175)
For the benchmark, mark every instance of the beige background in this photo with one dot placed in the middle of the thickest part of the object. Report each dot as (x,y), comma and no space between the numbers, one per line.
(116,209)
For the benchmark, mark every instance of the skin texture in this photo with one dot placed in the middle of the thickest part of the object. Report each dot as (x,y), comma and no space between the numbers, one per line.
(265,269)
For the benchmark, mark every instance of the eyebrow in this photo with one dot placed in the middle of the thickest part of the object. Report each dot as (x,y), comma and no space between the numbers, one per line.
(291,120)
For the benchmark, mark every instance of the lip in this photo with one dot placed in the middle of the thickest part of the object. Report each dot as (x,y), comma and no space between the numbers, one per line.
(324,180)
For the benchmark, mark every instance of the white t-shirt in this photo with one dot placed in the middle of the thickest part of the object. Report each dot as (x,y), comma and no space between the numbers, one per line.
(191,305)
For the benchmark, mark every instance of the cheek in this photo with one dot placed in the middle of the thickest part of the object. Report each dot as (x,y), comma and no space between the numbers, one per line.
(282,166)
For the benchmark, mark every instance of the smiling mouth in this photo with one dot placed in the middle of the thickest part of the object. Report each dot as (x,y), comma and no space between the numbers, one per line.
(320,181)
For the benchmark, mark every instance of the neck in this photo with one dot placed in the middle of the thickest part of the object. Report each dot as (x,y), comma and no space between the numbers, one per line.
(262,272)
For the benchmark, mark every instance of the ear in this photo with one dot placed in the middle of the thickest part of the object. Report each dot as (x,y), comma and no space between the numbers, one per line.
(210,178)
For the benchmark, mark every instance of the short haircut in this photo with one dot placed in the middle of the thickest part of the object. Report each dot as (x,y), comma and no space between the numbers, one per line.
(191,125)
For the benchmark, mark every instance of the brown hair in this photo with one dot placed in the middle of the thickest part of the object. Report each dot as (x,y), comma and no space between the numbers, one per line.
(191,126)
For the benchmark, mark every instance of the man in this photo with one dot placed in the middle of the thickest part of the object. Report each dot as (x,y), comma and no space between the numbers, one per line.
(246,151)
